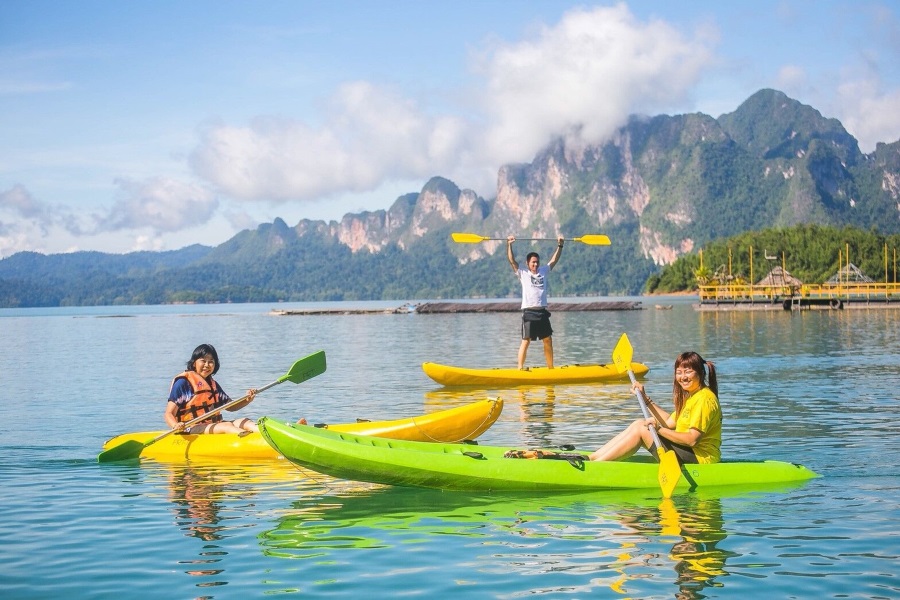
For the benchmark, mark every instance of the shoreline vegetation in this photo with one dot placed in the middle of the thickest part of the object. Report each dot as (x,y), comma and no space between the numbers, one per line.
(726,269)
(808,254)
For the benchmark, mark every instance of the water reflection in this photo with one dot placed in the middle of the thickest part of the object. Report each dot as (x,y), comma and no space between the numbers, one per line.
(195,494)
(207,497)
(536,412)
(698,524)
(619,538)
(786,378)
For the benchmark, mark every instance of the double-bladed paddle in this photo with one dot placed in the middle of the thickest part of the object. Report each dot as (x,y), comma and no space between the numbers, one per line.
(669,469)
(590,240)
(303,369)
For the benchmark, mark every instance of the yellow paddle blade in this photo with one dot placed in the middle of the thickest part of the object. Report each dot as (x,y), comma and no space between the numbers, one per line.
(622,354)
(669,472)
(468,238)
(593,240)
(669,518)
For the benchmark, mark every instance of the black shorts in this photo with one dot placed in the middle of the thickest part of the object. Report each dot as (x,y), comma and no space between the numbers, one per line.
(685,454)
(536,324)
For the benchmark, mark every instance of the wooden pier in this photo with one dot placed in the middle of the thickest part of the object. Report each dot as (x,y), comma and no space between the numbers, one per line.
(799,297)
(430,308)
(437,308)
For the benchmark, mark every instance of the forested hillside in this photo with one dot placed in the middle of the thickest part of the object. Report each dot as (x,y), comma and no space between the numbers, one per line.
(811,253)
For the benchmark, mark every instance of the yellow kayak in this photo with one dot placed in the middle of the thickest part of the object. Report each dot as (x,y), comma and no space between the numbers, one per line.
(447,375)
(452,425)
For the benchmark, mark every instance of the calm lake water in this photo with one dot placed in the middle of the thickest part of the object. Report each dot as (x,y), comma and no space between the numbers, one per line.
(819,388)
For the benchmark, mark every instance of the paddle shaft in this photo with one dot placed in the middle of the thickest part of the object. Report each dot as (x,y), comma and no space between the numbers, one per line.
(645,410)
(669,468)
(590,239)
(518,239)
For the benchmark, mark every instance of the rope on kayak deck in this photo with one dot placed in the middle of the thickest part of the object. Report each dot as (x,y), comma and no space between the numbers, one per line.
(574,459)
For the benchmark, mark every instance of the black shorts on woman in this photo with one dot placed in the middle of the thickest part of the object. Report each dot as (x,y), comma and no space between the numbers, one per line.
(684,453)
(536,324)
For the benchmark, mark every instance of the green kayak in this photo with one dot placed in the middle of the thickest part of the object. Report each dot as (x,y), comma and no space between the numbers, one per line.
(473,467)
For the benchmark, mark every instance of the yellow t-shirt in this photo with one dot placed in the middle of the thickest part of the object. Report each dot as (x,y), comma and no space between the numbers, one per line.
(702,412)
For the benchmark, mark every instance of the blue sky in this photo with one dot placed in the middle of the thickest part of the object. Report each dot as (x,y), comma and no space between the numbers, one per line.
(152,125)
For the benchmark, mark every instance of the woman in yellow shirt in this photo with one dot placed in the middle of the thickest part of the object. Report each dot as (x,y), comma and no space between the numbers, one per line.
(693,430)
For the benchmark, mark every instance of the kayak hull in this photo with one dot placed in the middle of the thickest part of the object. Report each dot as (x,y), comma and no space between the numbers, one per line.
(483,468)
(595,373)
(456,424)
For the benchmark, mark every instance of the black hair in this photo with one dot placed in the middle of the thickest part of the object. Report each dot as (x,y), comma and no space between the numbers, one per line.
(201,351)
(529,255)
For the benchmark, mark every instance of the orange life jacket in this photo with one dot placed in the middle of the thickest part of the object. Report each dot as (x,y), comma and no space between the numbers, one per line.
(203,400)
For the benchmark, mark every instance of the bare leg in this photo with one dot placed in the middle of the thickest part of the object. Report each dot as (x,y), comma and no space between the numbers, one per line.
(237,426)
(245,424)
(548,351)
(626,442)
(220,427)
(523,350)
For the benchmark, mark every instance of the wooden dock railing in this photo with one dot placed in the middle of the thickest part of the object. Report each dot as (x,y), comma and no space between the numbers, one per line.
(844,292)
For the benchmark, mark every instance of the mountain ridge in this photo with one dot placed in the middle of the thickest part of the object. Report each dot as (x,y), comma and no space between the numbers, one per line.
(661,187)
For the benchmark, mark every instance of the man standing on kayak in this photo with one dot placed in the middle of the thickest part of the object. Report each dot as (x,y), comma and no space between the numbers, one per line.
(535,287)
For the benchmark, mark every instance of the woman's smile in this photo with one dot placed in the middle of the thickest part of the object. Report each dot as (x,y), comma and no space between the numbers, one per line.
(204,366)
(688,380)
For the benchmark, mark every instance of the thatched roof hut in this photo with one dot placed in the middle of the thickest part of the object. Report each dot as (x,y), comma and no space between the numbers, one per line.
(779,277)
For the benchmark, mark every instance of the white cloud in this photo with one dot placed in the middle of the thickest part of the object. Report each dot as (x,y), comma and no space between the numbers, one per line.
(868,97)
(144,211)
(147,243)
(371,136)
(791,77)
(23,221)
(871,114)
(583,77)
(19,201)
(240,220)
(160,204)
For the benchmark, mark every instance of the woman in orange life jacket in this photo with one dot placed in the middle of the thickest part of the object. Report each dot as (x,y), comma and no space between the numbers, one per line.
(195,392)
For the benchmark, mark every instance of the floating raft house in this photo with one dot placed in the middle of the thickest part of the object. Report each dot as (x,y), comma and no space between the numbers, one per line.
(779,290)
